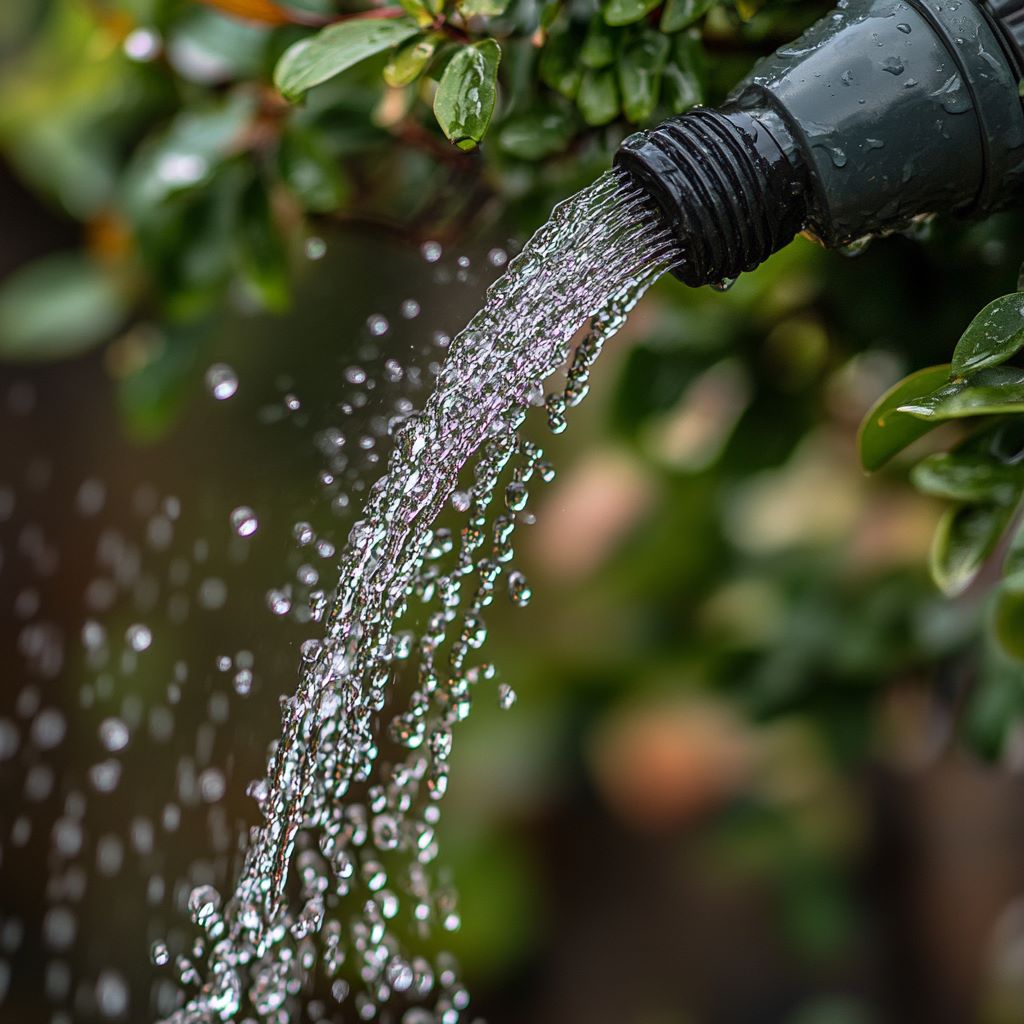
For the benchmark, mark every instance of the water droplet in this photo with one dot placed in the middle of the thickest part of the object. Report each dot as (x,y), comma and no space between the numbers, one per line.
(506,696)
(244,521)
(431,251)
(139,637)
(221,381)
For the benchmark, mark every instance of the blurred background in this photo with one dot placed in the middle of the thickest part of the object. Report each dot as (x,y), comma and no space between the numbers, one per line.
(759,770)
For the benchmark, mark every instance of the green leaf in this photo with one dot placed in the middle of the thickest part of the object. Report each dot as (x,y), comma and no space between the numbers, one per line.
(968,476)
(59,306)
(681,86)
(466,94)
(483,8)
(423,13)
(598,50)
(994,335)
(598,98)
(885,431)
(1008,615)
(625,12)
(335,49)
(994,390)
(262,256)
(536,134)
(312,172)
(680,14)
(559,66)
(410,61)
(640,66)
(965,537)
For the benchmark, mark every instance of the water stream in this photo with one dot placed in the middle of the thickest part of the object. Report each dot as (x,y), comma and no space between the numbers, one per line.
(337,896)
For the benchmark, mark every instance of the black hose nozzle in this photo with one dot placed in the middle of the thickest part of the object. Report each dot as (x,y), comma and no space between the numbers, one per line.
(882,112)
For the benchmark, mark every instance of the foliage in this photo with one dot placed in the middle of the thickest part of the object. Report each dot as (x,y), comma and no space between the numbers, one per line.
(982,475)
(202,141)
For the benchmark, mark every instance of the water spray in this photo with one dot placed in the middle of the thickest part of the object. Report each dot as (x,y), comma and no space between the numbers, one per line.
(884,112)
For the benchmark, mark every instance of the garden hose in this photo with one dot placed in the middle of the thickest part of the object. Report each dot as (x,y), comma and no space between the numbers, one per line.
(883,112)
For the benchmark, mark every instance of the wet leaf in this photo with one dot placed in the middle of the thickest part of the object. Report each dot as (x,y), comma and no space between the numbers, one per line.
(536,134)
(410,61)
(598,98)
(640,66)
(994,390)
(559,65)
(58,306)
(967,476)
(625,12)
(423,12)
(965,537)
(598,50)
(465,97)
(885,431)
(680,14)
(681,81)
(335,49)
(994,335)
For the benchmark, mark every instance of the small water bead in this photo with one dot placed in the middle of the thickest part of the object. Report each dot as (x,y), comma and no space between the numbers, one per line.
(378,325)
(316,248)
(519,589)
(497,257)
(243,682)
(139,637)
(431,251)
(114,734)
(279,601)
(410,309)
(221,381)
(506,696)
(203,903)
(244,521)
(160,954)
(516,496)
(303,533)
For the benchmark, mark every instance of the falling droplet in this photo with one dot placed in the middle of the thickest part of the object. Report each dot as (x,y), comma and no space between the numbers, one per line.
(221,381)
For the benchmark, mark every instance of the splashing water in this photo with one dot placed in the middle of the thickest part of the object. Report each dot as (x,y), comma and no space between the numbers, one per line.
(336,893)
(340,866)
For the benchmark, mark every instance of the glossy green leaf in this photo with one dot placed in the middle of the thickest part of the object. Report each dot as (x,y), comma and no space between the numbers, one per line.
(560,67)
(483,8)
(465,97)
(598,49)
(598,98)
(423,13)
(58,306)
(682,80)
(1008,615)
(680,14)
(886,431)
(537,134)
(994,335)
(994,390)
(968,476)
(625,12)
(411,60)
(335,49)
(640,66)
(312,172)
(965,537)
(262,255)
